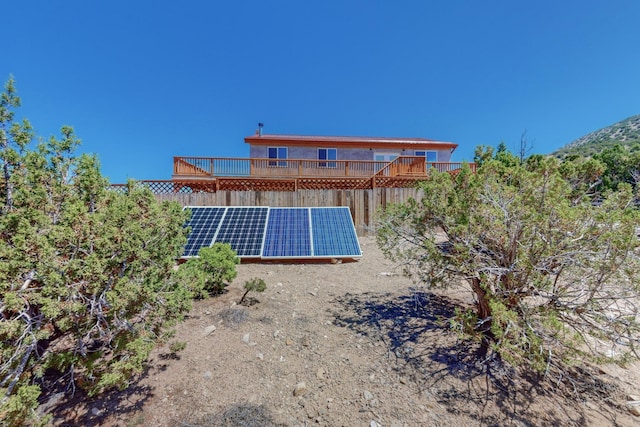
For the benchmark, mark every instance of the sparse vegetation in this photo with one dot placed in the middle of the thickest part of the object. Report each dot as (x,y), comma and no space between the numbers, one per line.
(234,316)
(625,133)
(177,346)
(555,278)
(253,285)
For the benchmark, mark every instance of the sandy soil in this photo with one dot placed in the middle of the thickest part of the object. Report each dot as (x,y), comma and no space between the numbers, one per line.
(347,344)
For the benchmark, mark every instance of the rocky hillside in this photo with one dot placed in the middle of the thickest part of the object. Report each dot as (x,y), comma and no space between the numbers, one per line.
(625,132)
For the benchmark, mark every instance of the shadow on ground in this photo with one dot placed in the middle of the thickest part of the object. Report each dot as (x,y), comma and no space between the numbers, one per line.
(457,374)
(70,407)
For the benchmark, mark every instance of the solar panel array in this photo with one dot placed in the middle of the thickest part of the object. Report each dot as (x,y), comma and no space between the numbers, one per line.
(272,233)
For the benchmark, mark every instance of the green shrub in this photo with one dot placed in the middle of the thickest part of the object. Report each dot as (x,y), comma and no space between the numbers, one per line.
(86,274)
(255,285)
(177,346)
(214,267)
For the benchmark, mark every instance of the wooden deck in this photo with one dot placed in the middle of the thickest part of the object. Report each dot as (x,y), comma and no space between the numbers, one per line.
(211,174)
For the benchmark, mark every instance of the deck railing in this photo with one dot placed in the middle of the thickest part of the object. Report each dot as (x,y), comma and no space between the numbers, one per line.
(216,167)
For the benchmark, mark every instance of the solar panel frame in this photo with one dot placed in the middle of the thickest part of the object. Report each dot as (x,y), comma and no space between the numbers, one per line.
(288,234)
(333,233)
(204,223)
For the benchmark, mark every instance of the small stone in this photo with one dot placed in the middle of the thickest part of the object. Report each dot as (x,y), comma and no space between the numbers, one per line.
(246,338)
(403,380)
(95,411)
(633,397)
(288,341)
(634,409)
(260,356)
(367,395)
(313,293)
(208,330)
(305,341)
(320,373)
(300,389)
(374,423)
(207,312)
(276,333)
(207,375)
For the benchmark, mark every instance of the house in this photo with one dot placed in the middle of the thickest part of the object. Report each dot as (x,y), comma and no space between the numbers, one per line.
(292,162)
(321,148)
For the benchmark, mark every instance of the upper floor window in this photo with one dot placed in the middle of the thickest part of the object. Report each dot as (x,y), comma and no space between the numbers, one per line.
(327,154)
(277,153)
(431,156)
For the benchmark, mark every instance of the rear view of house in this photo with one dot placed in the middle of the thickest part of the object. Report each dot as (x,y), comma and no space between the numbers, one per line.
(292,162)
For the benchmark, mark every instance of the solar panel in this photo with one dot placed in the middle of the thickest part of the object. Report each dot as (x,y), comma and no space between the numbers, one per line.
(204,223)
(333,232)
(243,228)
(288,234)
(274,232)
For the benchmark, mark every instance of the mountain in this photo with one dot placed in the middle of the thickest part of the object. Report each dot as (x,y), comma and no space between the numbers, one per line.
(625,132)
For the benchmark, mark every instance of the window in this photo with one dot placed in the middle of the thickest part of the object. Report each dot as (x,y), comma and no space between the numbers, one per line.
(327,154)
(277,153)
(385,157)
(431,156)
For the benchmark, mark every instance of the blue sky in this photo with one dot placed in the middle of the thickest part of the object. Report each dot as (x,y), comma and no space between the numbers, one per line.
(144,80)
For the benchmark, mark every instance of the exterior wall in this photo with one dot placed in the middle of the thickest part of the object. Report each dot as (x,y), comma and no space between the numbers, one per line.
(260,152)
(311,153)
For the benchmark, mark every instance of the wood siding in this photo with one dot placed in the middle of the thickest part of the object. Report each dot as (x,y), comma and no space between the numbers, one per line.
(364,204)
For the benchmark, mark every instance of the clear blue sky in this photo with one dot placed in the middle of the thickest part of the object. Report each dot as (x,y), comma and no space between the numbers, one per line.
(144,80)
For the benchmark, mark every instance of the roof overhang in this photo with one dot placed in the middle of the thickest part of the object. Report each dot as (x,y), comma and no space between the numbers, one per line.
(349,142)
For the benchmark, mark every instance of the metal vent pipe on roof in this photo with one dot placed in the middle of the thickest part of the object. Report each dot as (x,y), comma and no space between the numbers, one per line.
(260,126)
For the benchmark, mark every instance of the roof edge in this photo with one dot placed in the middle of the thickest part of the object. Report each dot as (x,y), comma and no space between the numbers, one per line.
(306,139)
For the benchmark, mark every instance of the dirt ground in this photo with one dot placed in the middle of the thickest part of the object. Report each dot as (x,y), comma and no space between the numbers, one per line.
(346,344)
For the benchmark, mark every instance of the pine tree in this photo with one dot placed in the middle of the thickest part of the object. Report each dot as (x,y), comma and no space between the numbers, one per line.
(86,273)
(554,277)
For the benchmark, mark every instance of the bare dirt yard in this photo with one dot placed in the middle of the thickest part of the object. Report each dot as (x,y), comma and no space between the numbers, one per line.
(347,344)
